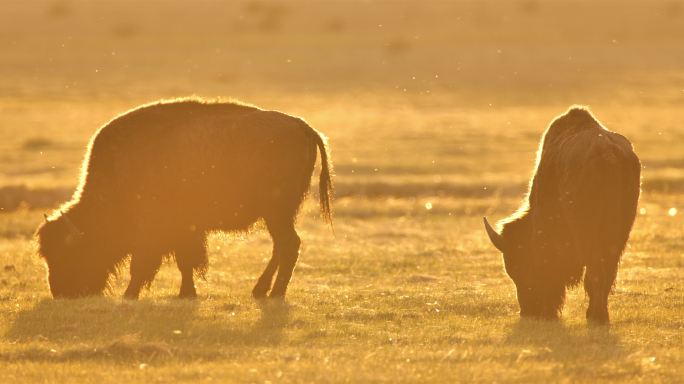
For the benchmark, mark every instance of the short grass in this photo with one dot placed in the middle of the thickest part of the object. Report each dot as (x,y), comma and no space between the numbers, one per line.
(402,295)
(436,107)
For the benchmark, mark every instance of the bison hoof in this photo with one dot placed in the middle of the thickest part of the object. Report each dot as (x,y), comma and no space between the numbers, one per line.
(187,295)
(550,316)
(130,296)
(259,292)
(277,295)
(598,320)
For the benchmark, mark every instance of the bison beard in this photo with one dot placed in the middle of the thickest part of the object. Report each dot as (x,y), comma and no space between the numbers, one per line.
(158,178)
(576,220)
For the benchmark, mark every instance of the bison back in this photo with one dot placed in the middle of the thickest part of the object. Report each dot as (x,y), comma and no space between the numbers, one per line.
(212,166)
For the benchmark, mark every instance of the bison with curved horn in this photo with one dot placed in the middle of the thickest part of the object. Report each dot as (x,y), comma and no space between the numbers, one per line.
(576,219)
(159,177)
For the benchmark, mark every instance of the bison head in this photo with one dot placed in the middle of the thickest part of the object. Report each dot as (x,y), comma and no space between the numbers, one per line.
(539,295)
(72,272)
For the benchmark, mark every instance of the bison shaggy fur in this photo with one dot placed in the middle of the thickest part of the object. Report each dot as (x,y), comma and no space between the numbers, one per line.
(158,178)
(576,219)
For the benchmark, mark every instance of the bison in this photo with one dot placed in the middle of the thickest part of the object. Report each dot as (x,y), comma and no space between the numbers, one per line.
(157,178)
(576,219)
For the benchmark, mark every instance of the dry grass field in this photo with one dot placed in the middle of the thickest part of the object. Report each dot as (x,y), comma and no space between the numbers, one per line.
(434,111)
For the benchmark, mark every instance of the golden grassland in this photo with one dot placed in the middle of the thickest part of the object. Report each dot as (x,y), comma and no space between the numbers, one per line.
(437,107)
(399,294)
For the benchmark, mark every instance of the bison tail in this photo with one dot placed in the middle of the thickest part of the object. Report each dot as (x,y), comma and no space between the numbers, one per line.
(325,185)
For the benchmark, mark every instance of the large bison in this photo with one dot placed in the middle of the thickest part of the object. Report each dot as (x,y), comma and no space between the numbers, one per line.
(159,177)
(578,215)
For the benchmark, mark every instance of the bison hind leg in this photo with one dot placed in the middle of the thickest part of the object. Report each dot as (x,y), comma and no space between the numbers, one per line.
(263,285)
(598,282)
(286,244)
(285,253)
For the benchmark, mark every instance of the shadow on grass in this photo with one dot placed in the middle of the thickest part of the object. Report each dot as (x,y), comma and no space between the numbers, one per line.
(87,329)
(275,315)
(553,340)
(100,319)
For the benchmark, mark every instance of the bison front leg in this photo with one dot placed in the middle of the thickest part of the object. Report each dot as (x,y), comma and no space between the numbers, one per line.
(191,256)
(286,244)
(144,268)
(187,289)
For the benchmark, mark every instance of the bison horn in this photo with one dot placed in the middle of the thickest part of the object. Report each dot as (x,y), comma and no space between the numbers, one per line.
(74,229)
(494,236)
